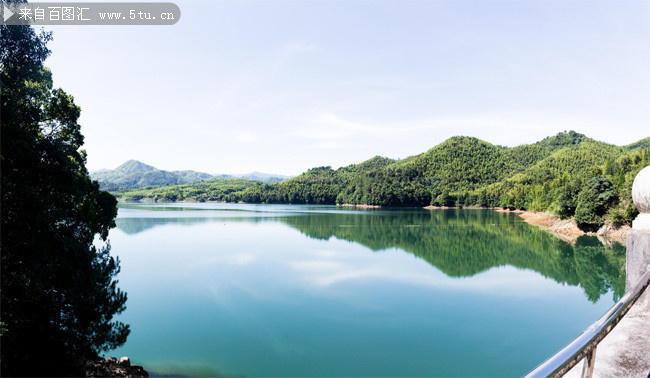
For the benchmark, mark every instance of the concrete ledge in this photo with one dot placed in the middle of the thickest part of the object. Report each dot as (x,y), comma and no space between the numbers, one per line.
(625,352)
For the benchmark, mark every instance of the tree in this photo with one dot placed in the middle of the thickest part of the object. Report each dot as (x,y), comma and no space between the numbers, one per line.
(597,196)
(567,199)
(59,294)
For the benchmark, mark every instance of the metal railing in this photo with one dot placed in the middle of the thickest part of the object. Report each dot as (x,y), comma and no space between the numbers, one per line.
(584,346)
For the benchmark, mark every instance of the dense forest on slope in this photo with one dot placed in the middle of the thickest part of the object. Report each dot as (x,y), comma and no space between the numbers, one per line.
(568,174)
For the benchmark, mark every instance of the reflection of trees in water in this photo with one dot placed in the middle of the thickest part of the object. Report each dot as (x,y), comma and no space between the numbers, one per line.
(460,243)
(597,265)
(463,243)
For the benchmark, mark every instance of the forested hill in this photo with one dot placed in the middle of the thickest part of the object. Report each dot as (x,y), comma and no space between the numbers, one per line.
(134,174)
(465,171)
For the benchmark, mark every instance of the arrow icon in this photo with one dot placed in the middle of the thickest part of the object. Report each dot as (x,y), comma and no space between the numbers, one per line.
(7,13)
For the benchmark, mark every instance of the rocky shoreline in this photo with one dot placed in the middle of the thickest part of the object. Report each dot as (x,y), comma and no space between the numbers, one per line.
(111,367)
(567,228)
(359,205)
(562,228)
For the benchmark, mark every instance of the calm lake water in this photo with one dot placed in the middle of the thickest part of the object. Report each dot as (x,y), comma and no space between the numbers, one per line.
(291,290)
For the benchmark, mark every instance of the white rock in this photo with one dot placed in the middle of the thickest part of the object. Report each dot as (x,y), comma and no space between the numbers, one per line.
(641,198)
(125,361)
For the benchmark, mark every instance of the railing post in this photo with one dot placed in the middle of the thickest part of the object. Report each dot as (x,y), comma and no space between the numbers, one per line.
(638,239)
(590,361)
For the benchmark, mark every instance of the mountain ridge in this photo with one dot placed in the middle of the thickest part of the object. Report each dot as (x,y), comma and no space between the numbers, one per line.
(564,174)
(136,174)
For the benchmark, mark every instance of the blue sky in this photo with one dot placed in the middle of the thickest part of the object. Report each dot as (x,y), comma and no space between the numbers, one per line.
(282,86)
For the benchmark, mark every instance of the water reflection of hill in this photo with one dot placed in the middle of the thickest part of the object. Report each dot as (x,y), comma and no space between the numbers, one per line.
(459,243)
(465,242)
(134,226)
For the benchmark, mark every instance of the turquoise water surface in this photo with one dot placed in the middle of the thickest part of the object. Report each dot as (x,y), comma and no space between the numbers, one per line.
(293,290)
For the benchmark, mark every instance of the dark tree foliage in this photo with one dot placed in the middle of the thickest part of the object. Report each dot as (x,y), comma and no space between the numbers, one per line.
(567,198)
(58,289)
(566,138)
(595,198)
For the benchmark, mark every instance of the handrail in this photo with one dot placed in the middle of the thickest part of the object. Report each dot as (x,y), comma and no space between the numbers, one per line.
(585,344)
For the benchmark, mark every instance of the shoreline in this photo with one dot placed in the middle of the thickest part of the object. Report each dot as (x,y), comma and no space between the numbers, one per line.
(473,207)
(359,205)
(565,229)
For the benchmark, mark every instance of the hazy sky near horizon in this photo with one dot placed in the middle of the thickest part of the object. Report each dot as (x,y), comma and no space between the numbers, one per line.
(281,86)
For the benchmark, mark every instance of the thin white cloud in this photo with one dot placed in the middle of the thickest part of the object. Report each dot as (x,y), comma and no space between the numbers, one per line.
(506,128)
(245,136)
(331,126)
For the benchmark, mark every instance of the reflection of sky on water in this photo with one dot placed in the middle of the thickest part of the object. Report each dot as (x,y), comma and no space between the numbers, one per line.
(229,210)
(257,297)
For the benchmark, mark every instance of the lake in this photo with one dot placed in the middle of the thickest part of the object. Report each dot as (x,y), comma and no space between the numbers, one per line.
(296,290)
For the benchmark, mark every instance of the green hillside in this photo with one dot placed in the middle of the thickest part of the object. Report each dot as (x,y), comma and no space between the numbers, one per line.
(458,163)
(133,174)
(376,162)
(208,190)
(563,173)
(133,166)
(643,143)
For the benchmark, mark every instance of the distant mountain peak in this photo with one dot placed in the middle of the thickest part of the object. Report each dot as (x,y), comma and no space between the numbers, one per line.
(134,174)
(134,166)
(261,176)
